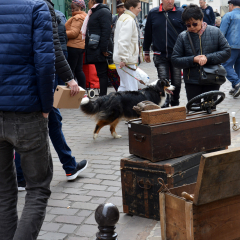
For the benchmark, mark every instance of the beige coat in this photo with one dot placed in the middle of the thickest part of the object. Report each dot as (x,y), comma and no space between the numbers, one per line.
(73,30)
(126,39)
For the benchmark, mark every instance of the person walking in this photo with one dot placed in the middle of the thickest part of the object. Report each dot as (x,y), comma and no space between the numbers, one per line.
(69,164)
(230,26)
(96,31)
(26,98)
(211,49)
(163,25)
(76,45)
(209,16)
(126,46)
(120,10)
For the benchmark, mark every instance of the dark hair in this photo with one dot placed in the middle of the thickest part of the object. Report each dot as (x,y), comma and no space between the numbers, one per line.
(98,1)
(130,3)
(236,5)
(192,11)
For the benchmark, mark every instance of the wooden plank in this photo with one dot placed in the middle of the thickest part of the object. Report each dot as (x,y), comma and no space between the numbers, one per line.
(218,223)
(162,215)
(218,176)
(162,115)
(189,220)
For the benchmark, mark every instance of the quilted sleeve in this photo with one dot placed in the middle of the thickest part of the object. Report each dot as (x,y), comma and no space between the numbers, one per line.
(44,57)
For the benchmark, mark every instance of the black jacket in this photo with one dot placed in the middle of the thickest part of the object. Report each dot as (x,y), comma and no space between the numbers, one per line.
(62,33)
(209,16)
(159,32)
(212,44)
(99,23)
(61,65)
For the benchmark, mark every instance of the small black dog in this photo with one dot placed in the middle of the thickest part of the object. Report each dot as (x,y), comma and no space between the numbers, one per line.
(109,109)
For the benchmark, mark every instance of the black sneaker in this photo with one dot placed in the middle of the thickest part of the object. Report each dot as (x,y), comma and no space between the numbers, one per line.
(231,91)
(237,90)
(81,166)
(21,186)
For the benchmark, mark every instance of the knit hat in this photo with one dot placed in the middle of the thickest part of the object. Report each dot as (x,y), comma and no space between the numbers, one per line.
(119,3)
(79,3)
(235,2)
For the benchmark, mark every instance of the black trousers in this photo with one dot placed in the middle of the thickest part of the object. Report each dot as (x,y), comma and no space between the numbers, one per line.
(75,60)
(194,90)
(164,67)
(102,68)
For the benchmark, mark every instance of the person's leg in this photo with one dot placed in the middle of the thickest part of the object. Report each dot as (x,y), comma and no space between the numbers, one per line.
(127,82)
(28,133)
(102,68)
(175,81)
(192,90)
(163,68)
(59,142)
(232,76)
(237,64)
(79,70)
(20,177)
(8,186)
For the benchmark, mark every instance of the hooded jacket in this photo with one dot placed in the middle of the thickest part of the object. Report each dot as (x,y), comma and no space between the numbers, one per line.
(26,56)
(100,24)
(62,33)
(73,28)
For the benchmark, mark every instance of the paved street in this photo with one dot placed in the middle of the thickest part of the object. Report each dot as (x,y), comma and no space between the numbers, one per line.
(70,212)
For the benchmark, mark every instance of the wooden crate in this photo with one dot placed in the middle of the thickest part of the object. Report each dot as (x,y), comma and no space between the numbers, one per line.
(198,133)
(162,115)
(214,214)
(140,185)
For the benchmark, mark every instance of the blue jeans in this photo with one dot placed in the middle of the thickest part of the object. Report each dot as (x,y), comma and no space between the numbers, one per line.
(233,74)
(28,134)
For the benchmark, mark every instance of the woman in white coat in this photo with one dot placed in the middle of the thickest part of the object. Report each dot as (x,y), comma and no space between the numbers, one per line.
(126,46)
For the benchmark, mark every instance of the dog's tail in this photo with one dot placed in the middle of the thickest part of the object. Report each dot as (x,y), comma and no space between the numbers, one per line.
(89,107)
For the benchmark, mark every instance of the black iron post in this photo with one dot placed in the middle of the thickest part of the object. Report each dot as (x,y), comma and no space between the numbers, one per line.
(106,215)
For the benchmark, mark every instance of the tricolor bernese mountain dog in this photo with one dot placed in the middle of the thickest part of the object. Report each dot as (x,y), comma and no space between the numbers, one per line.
(109,109)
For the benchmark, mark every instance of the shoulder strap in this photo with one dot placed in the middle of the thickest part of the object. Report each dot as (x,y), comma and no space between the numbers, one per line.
(166,16)
(191,43)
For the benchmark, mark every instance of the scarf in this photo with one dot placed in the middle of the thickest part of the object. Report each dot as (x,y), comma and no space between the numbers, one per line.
(204,26)
(85,23)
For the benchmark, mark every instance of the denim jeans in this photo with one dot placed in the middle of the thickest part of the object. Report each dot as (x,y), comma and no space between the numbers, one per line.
(233,74)
(165,68)
(28,134)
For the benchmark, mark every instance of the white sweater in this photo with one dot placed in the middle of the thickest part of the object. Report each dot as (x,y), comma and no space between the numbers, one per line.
(126,39)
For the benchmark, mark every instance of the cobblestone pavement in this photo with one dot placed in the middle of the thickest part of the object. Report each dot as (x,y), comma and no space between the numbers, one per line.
(70,212)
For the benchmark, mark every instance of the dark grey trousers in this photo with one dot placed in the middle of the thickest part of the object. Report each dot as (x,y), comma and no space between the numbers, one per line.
(28,134)
(165,68)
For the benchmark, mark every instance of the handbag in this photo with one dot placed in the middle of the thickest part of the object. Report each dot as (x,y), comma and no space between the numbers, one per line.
(210,74)
(93,41)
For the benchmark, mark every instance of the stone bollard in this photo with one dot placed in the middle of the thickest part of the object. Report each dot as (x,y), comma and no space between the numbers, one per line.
(106,215)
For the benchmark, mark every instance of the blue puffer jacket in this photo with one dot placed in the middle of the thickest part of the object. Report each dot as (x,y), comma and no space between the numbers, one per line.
(26,56)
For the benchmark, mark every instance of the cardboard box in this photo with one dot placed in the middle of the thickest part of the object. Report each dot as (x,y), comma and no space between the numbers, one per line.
(63,99)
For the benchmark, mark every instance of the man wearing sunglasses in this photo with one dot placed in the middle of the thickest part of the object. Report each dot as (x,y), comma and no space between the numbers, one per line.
(163,25)
(230,26)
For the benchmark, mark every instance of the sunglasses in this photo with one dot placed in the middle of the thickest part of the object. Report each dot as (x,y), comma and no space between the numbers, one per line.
(193,24)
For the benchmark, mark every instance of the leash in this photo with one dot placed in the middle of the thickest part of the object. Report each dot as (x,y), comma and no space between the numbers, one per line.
(132,75)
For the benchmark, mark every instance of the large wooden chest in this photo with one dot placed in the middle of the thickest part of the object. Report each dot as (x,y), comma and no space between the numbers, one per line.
(214,213)
(140,181)
(199,132)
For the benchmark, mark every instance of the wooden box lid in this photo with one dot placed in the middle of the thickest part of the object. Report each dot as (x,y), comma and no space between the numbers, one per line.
(218,176)
(162,115)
